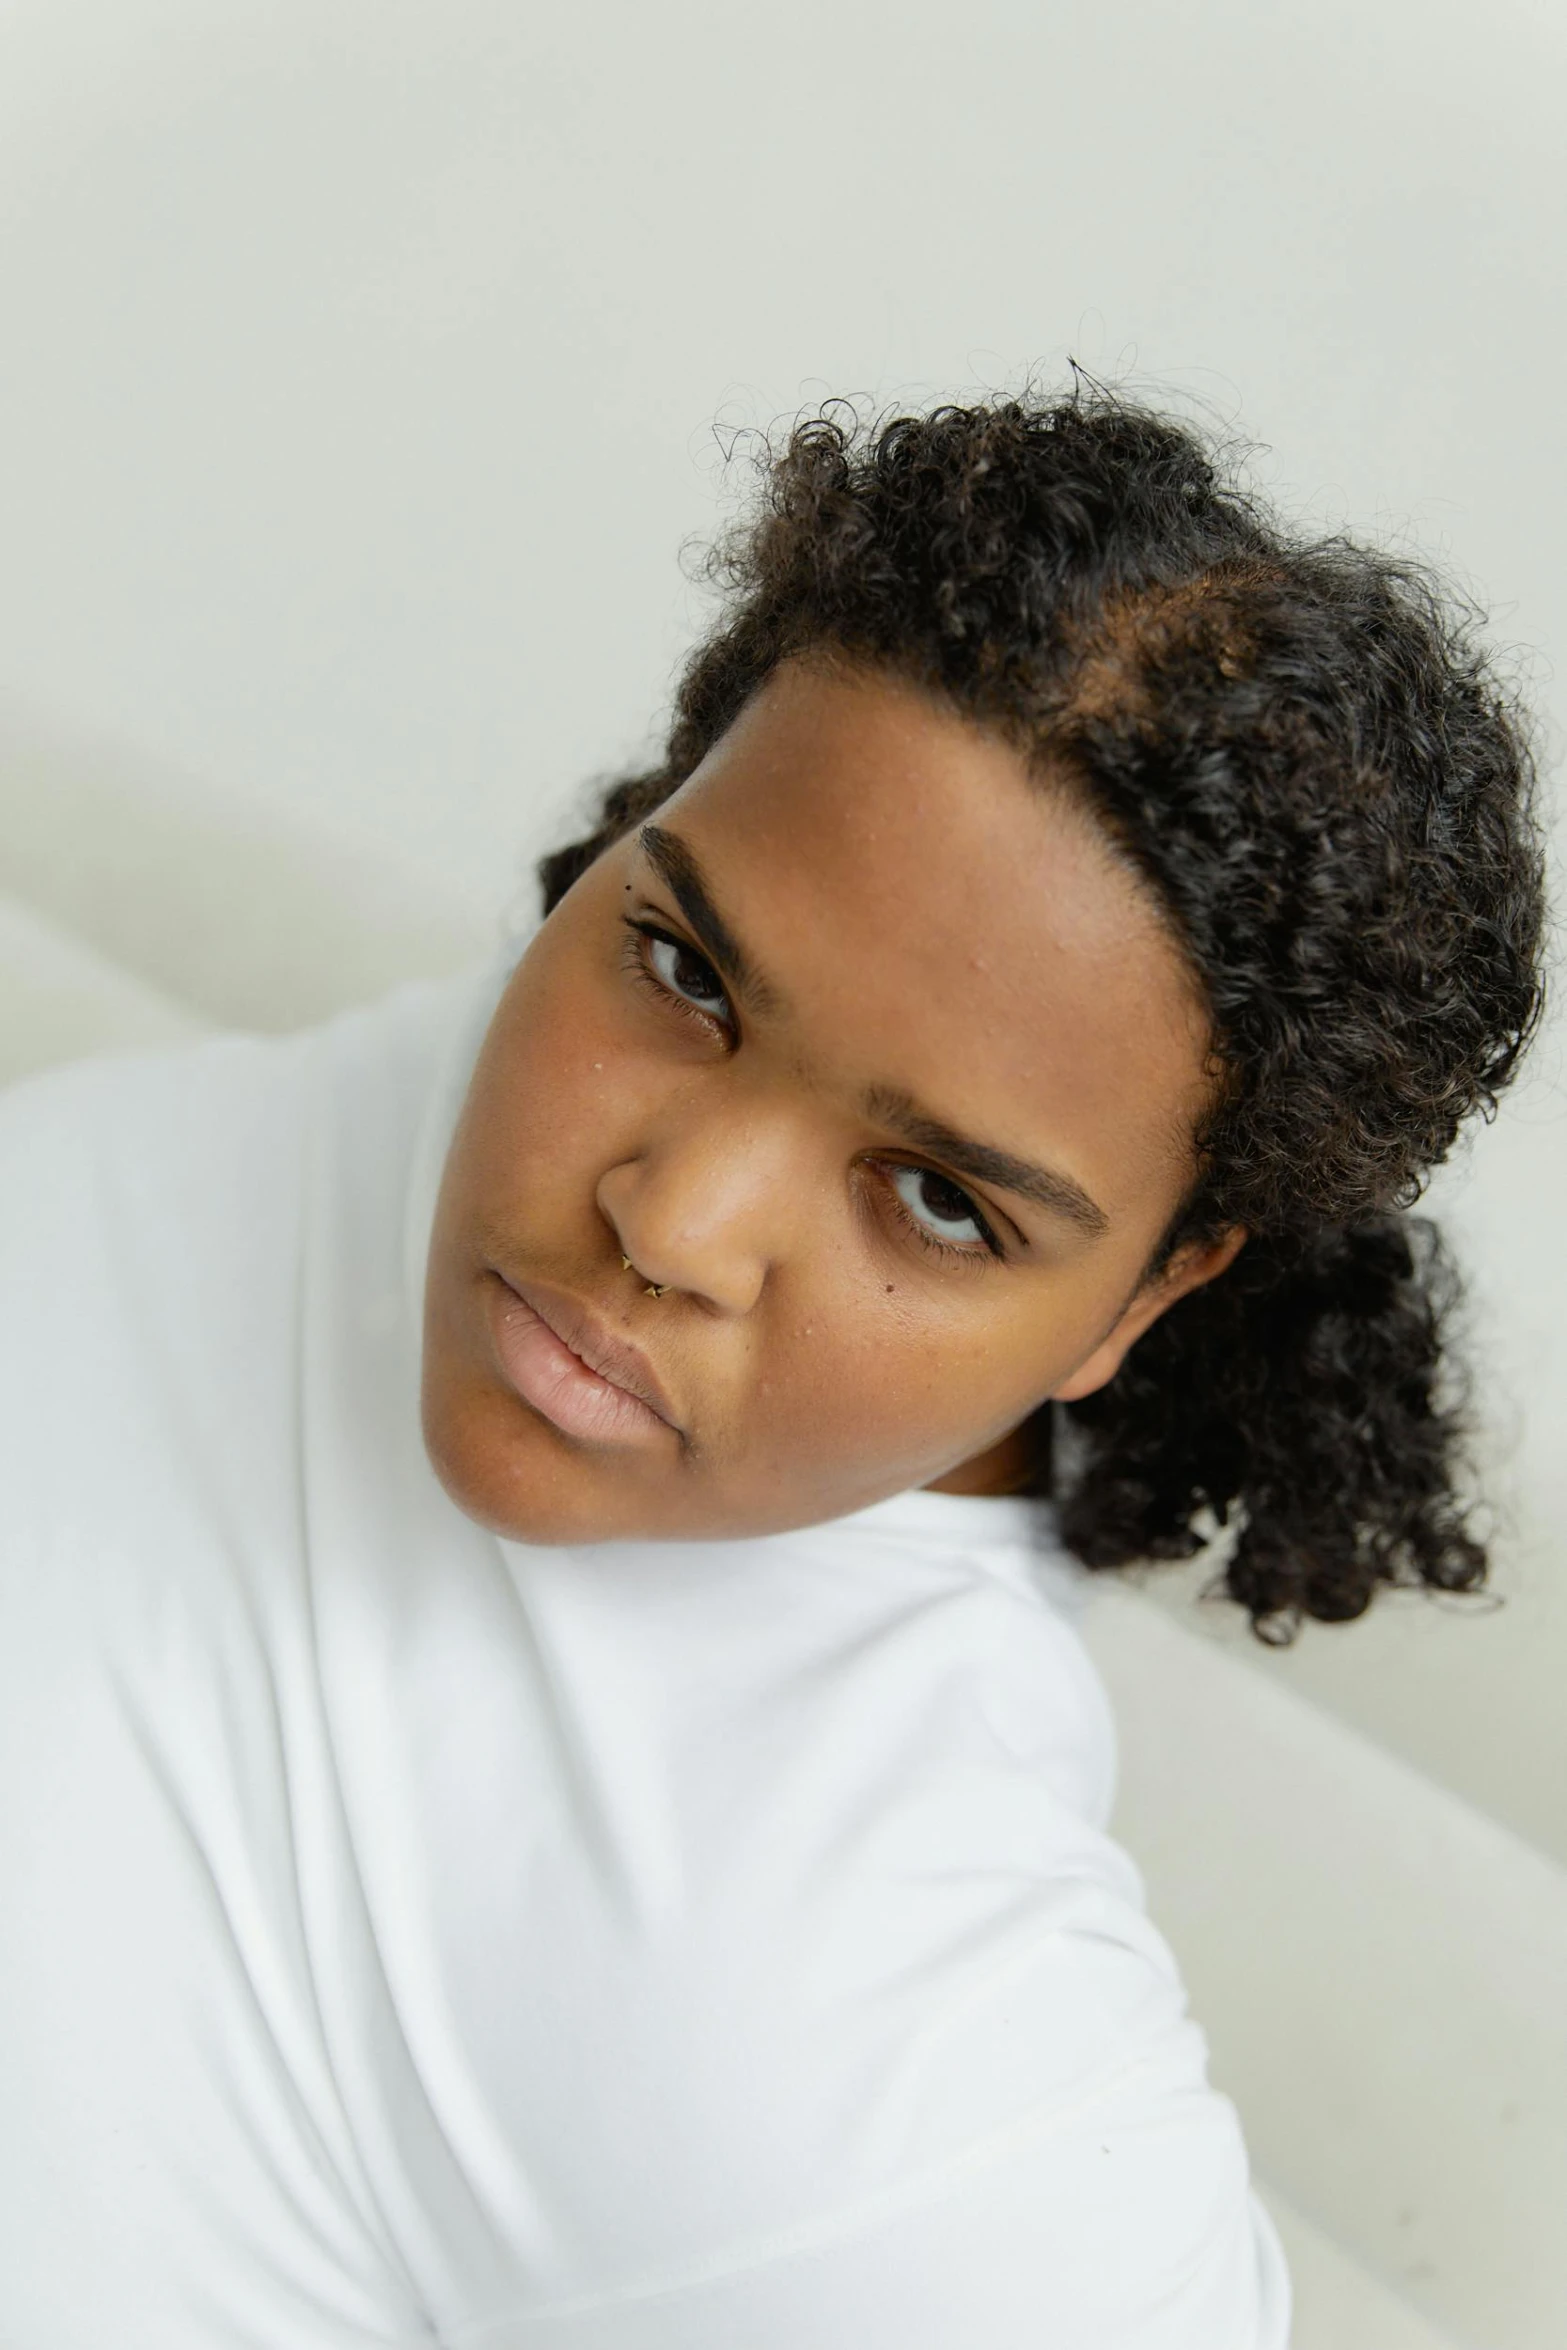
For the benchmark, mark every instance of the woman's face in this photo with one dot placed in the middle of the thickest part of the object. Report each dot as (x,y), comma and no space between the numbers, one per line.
(874,1061)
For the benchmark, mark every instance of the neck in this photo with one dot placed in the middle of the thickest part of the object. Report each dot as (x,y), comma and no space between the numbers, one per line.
(1018,1461)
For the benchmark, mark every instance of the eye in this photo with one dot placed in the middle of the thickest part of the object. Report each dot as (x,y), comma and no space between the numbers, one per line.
(941,1212)
(679,971)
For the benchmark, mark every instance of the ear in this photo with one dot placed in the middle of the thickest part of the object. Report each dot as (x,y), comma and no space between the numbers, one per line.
(1187,1270)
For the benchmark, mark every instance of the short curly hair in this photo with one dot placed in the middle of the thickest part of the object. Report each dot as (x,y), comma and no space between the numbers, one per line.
(1301,748)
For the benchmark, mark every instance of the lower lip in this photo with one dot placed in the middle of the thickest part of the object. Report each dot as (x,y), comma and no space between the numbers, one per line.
(559,1385)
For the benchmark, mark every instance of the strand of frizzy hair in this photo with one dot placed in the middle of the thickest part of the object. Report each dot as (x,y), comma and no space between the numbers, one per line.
(1300,1400)
(622,807)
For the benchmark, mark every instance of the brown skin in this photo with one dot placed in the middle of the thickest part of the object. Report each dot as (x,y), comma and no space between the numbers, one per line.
(929,919)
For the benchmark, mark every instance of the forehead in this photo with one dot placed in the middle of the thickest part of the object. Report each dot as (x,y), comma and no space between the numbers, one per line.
(936,918)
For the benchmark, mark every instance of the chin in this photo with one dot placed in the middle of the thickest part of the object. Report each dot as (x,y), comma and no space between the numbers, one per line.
(509,1472)
(513,1473)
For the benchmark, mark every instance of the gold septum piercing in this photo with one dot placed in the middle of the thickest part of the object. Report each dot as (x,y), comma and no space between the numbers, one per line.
(653,1289)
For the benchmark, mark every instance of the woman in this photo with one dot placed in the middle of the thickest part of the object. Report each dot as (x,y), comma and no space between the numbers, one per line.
(630,1870)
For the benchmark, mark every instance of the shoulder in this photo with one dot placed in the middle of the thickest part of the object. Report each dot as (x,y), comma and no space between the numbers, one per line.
(103,1135)
(209,1130)
(155,1220)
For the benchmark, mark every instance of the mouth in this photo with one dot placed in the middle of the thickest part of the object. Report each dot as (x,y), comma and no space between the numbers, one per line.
(565,1364)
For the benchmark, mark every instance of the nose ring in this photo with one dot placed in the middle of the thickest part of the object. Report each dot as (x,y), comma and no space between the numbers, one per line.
(653,1289)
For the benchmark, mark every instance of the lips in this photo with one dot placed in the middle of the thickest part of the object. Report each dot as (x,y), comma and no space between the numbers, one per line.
(563,1362)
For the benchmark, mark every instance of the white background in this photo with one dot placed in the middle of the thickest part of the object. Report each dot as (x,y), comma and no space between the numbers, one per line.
(360,366)
(359,363)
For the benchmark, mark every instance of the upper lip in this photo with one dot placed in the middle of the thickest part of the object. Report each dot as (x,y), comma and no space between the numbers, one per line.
(614,1359)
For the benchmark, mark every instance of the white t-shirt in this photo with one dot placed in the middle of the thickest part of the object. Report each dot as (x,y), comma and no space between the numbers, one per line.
(410,1936)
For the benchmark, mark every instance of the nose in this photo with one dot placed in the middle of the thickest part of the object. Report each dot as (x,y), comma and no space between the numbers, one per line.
(708,1201)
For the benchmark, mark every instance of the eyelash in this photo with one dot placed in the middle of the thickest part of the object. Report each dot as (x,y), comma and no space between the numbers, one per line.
(634,959)
(988,1245)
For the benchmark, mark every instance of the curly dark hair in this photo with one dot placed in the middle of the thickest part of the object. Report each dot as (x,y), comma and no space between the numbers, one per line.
(1303,752)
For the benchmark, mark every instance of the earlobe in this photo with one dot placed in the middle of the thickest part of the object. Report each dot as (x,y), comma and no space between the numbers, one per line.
(1099,1368)
(1189,1270)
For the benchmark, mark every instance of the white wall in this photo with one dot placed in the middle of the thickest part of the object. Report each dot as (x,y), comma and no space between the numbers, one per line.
(358,359)
(359,364)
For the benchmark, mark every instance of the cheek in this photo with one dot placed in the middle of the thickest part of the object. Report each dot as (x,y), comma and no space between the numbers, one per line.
(879,1385)
(562,1088)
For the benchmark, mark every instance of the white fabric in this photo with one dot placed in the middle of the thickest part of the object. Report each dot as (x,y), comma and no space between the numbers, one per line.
(414,1937)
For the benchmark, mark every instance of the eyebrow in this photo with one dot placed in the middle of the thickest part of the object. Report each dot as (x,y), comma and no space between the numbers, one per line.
(983,1163)
(679,868)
